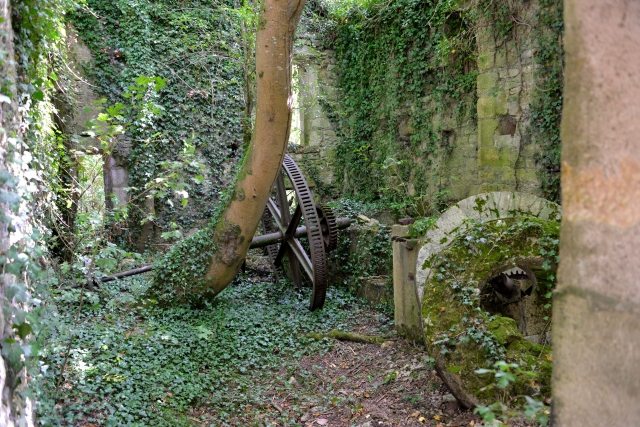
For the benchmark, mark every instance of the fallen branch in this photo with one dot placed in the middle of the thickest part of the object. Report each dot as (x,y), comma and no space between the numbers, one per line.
(346,336)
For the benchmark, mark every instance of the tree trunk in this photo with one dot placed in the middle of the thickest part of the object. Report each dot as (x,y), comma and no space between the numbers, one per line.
(596,315)
(274,46)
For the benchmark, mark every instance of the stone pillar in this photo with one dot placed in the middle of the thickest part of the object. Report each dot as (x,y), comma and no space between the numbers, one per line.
(596,313)
(505,81)
(406,310)
(116,177)
(316,88)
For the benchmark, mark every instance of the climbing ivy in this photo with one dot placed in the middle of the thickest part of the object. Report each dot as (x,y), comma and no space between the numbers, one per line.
(197,48)
(407,68)
(401,64)
(30,74)
(546,104)
(133,365)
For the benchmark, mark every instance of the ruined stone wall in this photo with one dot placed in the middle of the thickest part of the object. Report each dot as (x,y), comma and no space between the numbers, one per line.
(313,143)
(491,149)
(505,83)
(84,109)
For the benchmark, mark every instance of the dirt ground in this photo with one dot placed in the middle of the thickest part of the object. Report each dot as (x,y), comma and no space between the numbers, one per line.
(384,385)
(359,385)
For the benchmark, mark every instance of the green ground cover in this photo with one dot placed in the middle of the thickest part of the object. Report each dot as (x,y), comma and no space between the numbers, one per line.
(131,365)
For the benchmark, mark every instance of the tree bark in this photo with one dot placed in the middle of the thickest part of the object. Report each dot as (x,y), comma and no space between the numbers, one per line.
(274,47)
(596,314)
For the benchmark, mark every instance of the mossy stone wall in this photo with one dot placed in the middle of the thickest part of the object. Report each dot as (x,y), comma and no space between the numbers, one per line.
(489,149)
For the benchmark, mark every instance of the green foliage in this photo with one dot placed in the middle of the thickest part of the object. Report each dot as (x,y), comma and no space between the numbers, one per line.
(27,175)
(195,50)
(24,287)
(421,226)
(407,69)
(400,63)
(500,414)
(364,249)
(546,104)
(351,207)
(134,366)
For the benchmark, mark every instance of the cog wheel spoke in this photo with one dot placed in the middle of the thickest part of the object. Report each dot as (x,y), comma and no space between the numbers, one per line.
(277,210)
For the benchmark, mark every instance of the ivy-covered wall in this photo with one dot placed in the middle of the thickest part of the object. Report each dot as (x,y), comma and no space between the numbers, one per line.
(197,48)
(416,104)
(435,101)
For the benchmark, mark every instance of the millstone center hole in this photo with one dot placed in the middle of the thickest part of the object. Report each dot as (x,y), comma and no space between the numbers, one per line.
(513,293)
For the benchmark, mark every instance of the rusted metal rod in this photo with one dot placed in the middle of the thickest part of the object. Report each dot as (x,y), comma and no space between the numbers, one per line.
(127,273)
(277,237)
(256,242)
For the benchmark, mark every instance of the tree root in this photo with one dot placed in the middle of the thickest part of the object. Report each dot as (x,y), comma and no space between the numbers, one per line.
(346,336)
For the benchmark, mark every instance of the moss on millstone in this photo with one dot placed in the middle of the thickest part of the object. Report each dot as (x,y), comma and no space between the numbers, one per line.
(504,329)
(457,330)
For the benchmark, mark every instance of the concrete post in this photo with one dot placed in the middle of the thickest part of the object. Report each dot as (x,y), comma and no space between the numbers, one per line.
(596,313)
(406,309)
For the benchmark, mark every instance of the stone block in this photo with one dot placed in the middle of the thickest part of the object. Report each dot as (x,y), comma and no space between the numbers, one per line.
(455,162)
(500,59)
(506,141)
(487,82)
(513,107)
(494,157)
(486,131)
(399,230)
(509,73)
(501,103)
(486,61)
(407,318)
(451,219)
(485,40)
(488,175)
(488,156)
(486,107)
(530,204)
(508,176)
(527,176)
(374,290)
(462,190)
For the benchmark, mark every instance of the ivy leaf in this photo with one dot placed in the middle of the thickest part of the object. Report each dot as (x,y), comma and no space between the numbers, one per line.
(23,329)
(13,352)
(160,83)
(5,176)
(114,110)
(38,95)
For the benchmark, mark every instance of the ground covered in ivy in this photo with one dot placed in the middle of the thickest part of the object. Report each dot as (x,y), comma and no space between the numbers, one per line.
(243,360)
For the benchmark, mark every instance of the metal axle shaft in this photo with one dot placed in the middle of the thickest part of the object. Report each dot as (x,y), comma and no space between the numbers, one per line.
(256,242)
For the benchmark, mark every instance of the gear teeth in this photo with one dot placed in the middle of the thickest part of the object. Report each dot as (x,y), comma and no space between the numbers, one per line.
(330,236)
(514,271)
(318,256)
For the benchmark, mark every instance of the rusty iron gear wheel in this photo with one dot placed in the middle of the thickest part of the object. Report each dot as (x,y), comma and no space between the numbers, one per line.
(315,265)
(329,227)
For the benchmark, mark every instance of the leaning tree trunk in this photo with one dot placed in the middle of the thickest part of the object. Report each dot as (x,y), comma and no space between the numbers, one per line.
(274,47)
(596,315)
